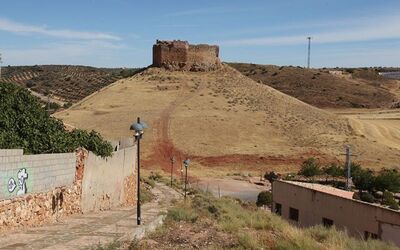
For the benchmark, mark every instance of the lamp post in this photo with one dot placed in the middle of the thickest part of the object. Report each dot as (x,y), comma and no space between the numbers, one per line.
(186,164)
(138,127)
(172,167)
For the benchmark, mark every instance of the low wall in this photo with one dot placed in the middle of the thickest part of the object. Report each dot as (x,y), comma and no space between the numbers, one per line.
(27,174)
(36,189)
(108,182)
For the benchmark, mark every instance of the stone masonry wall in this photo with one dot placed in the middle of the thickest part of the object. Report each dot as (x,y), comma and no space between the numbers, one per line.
(59,196)
(27,174)
(180,55)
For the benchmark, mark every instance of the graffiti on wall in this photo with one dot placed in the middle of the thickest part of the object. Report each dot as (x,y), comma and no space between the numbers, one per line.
(22,176)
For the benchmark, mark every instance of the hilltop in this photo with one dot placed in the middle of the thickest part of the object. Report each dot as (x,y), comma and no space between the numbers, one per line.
(221,118)
(67,83)
(356,88)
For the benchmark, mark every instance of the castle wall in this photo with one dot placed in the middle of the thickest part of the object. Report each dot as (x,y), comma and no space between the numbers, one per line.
(179,55)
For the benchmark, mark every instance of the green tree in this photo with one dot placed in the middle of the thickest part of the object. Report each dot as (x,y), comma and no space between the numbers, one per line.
(363,179)
(333,170)
(264,198)
(25,124)
(388,179)
(310,167)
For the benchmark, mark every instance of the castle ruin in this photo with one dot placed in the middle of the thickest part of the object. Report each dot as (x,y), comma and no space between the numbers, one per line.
(180,55)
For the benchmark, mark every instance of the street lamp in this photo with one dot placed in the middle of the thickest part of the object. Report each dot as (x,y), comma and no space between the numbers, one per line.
(172,167)
(186,164)
(138,127)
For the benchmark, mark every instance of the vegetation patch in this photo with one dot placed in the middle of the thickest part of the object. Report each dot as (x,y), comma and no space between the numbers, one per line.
(206,222)
(25,124)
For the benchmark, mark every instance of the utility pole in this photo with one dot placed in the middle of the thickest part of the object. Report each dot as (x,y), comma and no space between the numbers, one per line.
(348,165)
(172,168)
(1,62)
(309,52)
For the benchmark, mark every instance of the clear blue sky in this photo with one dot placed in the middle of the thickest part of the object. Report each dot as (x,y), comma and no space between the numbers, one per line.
(120,33)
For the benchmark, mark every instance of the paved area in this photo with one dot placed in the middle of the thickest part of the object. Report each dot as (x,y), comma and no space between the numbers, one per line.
(241,189)
(86,230)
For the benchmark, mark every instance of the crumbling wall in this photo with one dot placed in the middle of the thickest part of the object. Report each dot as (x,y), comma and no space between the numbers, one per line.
(180,55)
(109,182)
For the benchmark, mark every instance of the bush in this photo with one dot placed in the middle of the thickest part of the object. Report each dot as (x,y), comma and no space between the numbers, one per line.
(67,105)
(264,199)
(363,179)
(333,170)
(389,200)
(388,179)
(367,197)
(25,124)
(271,176)
(310,167)
(182,214)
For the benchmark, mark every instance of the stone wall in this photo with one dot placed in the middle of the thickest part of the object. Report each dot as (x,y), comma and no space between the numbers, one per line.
(57,185)
(46,189)
(180,55)
(27,174)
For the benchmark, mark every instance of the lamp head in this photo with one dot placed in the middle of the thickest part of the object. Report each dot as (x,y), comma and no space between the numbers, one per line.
(186,163)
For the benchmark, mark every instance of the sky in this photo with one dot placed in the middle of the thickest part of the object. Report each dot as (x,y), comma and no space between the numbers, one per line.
(120,33)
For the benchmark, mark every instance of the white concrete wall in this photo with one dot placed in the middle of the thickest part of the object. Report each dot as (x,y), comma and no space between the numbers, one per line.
(24,174)
(103,179)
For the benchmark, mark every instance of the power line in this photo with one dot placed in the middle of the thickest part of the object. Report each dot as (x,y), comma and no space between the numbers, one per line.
(309,51)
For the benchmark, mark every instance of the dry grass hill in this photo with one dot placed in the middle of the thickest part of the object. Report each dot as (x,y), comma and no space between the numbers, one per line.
(360,88)
(222,118)
(67,83)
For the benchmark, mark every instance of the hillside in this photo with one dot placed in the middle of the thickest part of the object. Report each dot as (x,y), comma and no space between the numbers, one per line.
(67,83)
(362,89)
(221,118)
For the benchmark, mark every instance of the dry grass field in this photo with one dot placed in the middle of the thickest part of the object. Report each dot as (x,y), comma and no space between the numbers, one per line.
(223,119)
(363,88)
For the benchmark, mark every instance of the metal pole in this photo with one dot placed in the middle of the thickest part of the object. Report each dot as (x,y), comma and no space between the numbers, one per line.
(172,169)
(138,178)
(1,62)
(348,163)
(185,180)
(309,52)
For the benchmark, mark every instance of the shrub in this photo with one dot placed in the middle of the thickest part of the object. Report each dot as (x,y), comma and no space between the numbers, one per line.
(367,197)
(333,170)
(67,105)
(25,124)
(271,176)
(182,214)
(264,199)
(363,179)
(389,200)
(310,167)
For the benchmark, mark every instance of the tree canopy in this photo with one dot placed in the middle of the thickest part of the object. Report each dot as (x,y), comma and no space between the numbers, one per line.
(25,124)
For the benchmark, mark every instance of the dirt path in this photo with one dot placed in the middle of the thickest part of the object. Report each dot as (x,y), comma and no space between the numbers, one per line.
(88,230)
(163,148)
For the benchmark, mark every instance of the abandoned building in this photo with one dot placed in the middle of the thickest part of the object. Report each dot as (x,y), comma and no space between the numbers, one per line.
(180,55)
(309,204)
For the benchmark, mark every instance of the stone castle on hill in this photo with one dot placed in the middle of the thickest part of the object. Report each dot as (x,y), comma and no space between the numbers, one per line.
(180,55)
